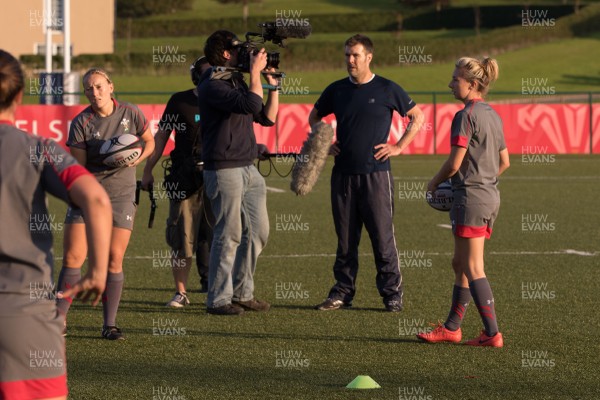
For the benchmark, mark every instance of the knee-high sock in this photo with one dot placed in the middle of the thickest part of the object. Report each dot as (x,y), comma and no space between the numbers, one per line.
(67,278)
(112,297)
(460,301)
(484,299)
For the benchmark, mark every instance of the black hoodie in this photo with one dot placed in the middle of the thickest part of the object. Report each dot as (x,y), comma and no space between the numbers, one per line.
(227,111)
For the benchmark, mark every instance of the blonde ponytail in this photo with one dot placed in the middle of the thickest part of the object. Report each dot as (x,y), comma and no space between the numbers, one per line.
(483,72)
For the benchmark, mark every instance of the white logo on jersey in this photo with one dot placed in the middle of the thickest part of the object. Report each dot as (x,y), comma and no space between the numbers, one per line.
(371,101)
(129,218)
(125,123)
(96,135)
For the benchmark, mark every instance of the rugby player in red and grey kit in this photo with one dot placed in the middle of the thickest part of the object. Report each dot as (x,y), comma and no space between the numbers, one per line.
(477,157)
(32,349)
(104,119)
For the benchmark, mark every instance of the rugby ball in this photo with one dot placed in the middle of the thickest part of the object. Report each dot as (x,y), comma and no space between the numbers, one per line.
(121,150)
(442,198)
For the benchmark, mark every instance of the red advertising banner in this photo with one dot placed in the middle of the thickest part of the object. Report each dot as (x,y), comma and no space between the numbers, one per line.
(596,128)
(528,128)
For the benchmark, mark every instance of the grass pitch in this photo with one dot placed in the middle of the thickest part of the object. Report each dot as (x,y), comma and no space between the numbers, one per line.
(542,263)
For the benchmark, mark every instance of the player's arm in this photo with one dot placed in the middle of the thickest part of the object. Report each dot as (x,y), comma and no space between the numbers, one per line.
(385,151)
(504,161)
(86,193)
(80,155)
(160,142)
(449,168)
(313,120)
(148,147)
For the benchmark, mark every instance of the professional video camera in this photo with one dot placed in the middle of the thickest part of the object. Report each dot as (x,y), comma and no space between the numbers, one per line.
(270,32)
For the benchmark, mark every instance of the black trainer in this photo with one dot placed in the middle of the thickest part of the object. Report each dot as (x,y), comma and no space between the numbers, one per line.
(394,306)
(112,333)
(332,304)
(253,305)
(227,309)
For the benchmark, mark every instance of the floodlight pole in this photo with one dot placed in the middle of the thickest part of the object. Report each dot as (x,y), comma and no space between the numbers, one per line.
(67,35)
(48,20)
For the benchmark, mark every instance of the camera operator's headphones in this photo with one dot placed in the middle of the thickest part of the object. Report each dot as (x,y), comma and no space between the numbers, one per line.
(196,69)
(234,43)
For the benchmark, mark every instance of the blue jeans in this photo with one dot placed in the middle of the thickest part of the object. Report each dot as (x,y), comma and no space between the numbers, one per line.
(238,197)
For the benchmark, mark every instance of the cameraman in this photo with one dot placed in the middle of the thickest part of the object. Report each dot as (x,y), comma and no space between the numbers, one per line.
(188,230)
(237,192)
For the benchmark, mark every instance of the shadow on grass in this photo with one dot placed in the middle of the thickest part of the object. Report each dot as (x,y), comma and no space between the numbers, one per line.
(312,307)
(163,289)
(286,336)
(78,332)
(292,307)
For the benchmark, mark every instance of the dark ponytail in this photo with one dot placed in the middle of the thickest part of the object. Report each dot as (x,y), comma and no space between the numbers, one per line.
(11,79)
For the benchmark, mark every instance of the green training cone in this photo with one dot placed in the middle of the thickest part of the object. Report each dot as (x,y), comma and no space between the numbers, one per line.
(363,382)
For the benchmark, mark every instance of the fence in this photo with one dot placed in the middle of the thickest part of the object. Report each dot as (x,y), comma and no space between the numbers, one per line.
(532,125)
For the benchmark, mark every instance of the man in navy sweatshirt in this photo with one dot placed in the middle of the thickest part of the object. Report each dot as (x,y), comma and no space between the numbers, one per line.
(236,190)
(362,185)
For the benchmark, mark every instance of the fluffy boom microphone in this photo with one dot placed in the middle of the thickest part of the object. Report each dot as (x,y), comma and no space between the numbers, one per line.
(312,158)
(276,32)
(298,31)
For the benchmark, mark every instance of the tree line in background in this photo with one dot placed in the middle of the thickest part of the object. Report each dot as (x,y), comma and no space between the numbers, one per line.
(508,33)
(144,8)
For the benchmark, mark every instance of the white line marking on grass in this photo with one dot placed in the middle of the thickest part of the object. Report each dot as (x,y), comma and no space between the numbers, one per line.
(551,178)
(305,255)
(544,253)
(498,253)
(495,253)
(275,190)
(445,226)
(580,253)
(514,178)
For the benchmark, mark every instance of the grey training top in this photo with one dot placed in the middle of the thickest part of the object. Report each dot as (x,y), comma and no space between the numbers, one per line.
(89,131)
(30,167)
(478,128)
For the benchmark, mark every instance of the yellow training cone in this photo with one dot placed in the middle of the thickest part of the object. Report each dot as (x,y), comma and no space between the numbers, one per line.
(363,382)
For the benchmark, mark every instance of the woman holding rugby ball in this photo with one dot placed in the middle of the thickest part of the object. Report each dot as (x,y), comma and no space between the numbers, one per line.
(478,156)
(103,120)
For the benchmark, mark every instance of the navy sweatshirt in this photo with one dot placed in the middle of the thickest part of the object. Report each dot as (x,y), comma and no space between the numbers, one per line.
(227,111)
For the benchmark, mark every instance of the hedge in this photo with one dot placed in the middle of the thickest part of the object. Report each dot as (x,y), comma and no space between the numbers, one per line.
(304,54)
(420,19)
